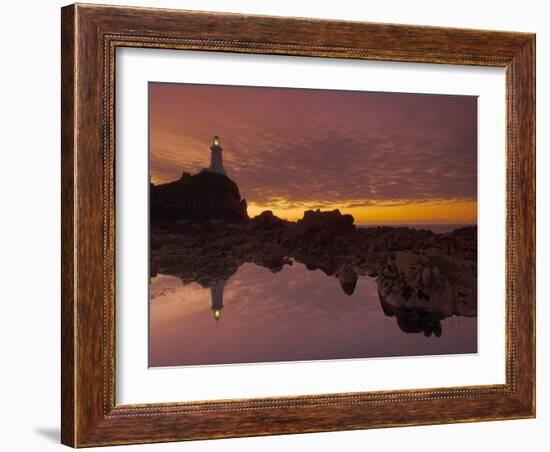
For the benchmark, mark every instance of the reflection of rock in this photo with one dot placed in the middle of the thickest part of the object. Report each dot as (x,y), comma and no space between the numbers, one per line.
(422,287)
(414,320)
(348,278)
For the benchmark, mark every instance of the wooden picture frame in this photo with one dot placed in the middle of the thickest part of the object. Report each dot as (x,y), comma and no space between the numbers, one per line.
(90,36)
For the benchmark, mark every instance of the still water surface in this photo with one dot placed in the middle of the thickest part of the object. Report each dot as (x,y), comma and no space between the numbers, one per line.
(292,315)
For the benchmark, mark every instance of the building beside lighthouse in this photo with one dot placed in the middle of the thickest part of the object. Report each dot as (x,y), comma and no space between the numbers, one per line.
(216,160)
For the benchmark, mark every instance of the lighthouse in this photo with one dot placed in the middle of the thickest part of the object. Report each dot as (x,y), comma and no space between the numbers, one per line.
(216,162)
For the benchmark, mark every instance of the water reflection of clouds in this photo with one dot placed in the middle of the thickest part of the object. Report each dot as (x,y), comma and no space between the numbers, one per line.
(294,314)
(172,301)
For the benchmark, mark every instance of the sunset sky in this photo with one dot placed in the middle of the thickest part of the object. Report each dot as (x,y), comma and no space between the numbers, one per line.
(386,158)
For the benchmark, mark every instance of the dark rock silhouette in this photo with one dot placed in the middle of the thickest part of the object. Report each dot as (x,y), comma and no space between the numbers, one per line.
(266,221)
(200,197)
(318,228)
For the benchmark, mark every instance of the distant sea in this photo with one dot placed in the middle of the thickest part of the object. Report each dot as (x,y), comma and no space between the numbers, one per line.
(437,228)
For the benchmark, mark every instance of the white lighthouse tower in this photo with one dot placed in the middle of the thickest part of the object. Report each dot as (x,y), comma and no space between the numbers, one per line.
(216,161)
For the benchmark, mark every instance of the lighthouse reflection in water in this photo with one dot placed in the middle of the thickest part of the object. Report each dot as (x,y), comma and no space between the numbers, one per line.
(294,314)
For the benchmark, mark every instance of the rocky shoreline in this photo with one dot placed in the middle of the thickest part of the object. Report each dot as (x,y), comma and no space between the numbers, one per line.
(422,276)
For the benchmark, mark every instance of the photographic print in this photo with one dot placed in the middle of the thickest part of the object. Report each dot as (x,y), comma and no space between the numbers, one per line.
(291,224)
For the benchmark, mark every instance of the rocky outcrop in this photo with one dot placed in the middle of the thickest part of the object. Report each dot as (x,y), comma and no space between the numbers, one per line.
(328,241)
(201,197)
